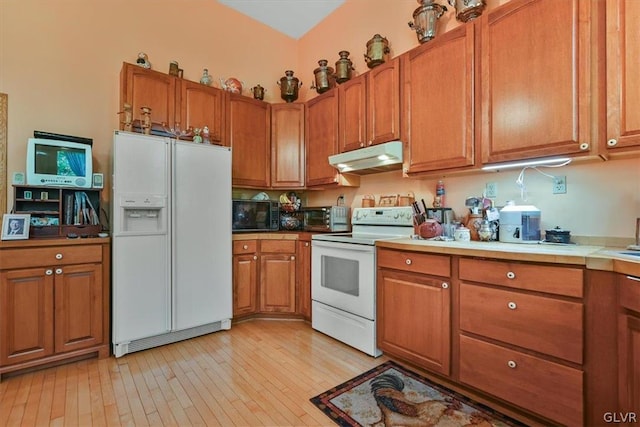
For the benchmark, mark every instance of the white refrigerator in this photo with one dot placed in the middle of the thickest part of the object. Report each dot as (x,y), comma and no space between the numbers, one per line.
(171,241)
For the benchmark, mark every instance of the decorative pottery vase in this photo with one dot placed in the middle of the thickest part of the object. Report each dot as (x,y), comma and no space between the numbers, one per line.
(206,79)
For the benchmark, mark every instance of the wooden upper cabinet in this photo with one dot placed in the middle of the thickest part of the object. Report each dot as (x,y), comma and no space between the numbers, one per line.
(248,129)
(438,103)
(287,145)
(202,106)
(536,79)
(322,138)
(623,71)
(370,108)
(142,87)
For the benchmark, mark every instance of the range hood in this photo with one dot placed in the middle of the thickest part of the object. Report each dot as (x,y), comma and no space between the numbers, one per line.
(374,159)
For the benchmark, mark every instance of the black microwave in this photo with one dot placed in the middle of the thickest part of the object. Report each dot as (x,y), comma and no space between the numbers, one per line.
(255,215)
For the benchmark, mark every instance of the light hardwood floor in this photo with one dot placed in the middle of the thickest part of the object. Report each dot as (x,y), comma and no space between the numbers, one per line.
(260,373)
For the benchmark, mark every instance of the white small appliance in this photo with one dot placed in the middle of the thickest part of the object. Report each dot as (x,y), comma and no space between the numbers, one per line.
(519,224)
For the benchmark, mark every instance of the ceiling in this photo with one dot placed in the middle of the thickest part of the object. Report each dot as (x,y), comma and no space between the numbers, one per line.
(291,17)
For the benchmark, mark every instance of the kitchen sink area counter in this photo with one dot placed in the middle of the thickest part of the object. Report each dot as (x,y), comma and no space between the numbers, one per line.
(590,256)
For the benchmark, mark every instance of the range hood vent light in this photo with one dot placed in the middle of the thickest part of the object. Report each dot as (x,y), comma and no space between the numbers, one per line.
(377,158)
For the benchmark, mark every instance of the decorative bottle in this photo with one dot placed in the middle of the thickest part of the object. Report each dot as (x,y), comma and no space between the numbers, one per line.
(440,192)
(206,79)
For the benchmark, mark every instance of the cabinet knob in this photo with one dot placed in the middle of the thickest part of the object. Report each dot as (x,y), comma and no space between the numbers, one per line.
(370,143)
(511,275)
(245,247)
(306,243)
(512,305)
(58,271)
(58,256)
(612,142)
(293,257)
(407,261)
(512,364)
(48,272)
(445,285)
(584,146)
(255,257)
(362,144)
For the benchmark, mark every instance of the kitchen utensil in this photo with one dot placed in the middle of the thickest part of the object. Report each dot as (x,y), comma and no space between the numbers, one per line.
(429,229)
(557,235)
(391,200)
(462,234)
(289,86)
(425,18)
(368,201)
(406,199)
(466,10)
(324,77)
(377,51)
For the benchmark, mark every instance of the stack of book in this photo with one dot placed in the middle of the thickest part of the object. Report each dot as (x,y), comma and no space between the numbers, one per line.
(79,210)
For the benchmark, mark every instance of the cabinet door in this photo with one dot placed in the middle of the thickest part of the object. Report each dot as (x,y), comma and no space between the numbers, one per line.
(414,313)
(78,307)
(287,145)
(439,111)
(141,87)
(623,69)
(383,103)
(352,108)
(245,280)
(203,106)
(322,138)
(26,315)
(629,355)
(249,134)
(278,283)
(535,79)
(304,278)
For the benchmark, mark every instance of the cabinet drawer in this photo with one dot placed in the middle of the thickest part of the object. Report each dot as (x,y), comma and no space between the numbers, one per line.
(245,246)
(416,262)
(51,256)
(546,388)
(630,292)
(544,278)
(278,246)
(543,324)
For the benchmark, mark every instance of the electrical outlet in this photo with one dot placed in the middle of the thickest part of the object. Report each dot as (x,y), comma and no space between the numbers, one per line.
(559,184)
(491,190)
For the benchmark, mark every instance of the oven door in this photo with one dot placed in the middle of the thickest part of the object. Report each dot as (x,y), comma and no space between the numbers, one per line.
(343,277)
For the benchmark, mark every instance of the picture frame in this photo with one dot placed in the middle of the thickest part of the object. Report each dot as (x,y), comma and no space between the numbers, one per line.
(15,226)
(44,195)
(28,195)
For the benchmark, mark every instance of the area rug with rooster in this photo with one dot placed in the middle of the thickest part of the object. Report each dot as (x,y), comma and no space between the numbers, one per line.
(391,395)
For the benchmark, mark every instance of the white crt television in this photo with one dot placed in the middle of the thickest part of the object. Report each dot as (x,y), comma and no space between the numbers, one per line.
(59,163)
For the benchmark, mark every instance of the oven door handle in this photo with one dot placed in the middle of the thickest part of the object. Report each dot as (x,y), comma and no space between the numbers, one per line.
(344,246)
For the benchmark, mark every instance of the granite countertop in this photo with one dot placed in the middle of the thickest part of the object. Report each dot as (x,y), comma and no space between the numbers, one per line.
(592,257)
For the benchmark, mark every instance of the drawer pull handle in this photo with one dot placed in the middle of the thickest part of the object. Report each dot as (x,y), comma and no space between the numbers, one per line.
(245,247)
(48,272)
(445,285)
(58,256)
(512,305)
(511,364)
(511,275)
(635,279)
(407,261)
(58,271)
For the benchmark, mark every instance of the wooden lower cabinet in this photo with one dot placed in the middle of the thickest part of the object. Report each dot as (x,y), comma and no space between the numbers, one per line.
(278,276)
(414,308)
(629,346)
(264,277)
(550,389)
(54,302)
